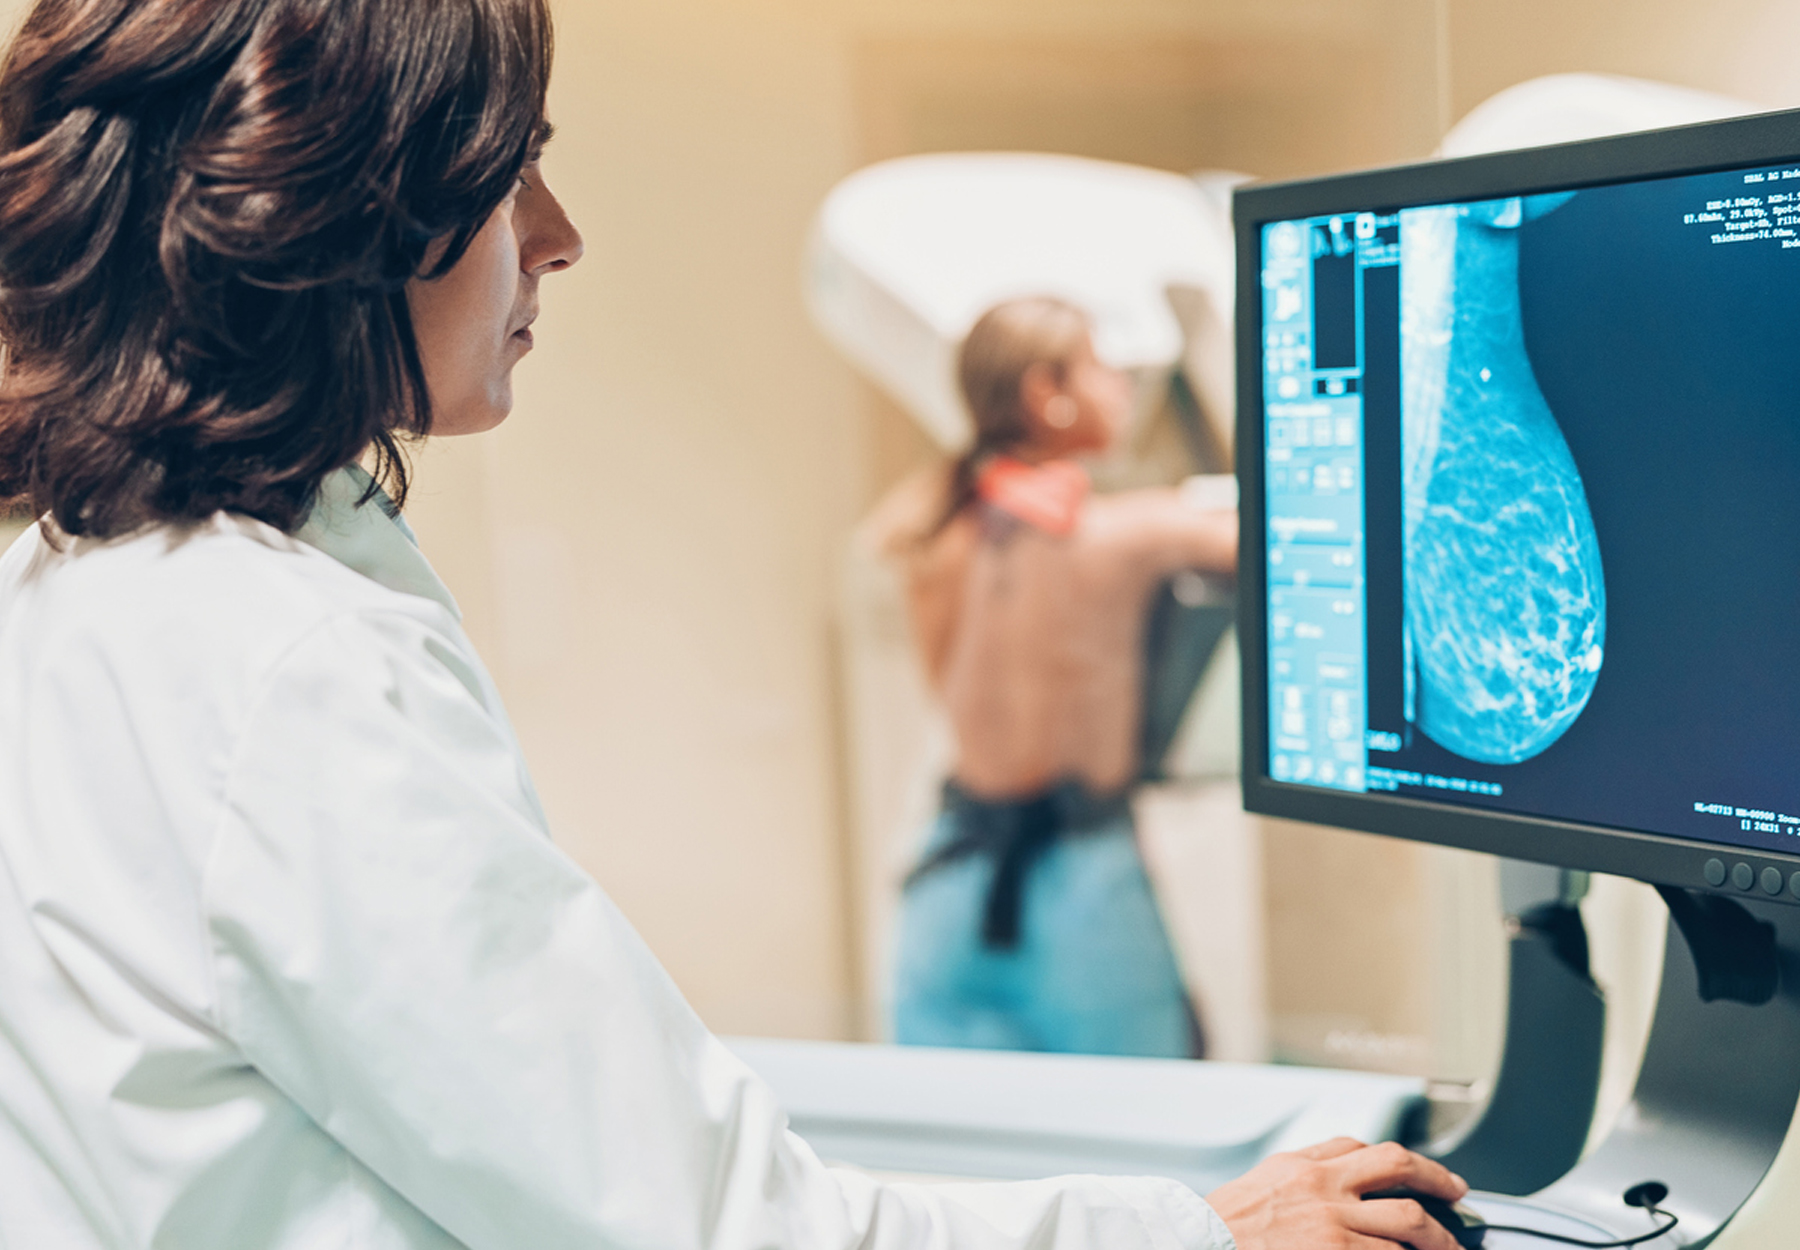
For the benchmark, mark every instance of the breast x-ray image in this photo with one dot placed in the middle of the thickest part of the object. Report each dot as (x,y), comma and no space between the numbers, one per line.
(1532,469)
(1505,600)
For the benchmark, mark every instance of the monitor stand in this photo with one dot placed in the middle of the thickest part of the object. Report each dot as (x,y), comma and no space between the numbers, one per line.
(1719,1082)
(1536,1121)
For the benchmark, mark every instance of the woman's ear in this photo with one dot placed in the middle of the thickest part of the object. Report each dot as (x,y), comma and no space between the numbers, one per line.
(1040,390)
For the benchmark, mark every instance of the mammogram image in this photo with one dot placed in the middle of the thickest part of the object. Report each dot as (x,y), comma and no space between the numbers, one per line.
(1505,601)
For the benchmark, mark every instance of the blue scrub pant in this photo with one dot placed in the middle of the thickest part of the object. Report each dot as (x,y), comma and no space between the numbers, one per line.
(1092,971)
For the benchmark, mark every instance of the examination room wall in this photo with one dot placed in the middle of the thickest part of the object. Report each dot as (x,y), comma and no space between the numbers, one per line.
(646,553)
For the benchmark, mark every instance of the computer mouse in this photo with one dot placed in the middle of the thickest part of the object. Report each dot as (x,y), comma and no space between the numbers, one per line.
(1461,1222)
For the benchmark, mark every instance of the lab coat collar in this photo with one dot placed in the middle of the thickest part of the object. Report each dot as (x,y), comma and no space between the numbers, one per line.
(372,538)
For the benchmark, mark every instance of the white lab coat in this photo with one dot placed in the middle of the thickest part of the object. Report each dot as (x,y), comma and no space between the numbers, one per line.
(287,960)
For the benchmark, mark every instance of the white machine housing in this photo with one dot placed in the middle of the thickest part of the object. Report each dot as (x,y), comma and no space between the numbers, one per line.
(906,254)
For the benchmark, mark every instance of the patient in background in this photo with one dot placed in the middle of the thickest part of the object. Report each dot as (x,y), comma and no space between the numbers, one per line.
(1029,922)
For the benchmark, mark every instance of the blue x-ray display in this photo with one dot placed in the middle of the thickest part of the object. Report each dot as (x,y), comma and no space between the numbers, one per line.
(1532,483)
(1505,600)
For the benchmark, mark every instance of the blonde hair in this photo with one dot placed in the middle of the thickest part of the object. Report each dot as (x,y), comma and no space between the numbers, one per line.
(1002,347)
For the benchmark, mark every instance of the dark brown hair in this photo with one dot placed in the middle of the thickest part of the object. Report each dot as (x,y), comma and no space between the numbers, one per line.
(991,365)
(209,211)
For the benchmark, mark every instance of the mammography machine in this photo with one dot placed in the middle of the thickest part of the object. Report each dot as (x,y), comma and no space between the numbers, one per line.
(904,256)
(1520,572)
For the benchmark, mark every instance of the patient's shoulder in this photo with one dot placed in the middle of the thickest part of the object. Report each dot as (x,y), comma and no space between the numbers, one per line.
(1132,517)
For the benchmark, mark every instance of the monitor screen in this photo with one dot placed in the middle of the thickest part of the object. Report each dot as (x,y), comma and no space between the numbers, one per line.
(1523,533)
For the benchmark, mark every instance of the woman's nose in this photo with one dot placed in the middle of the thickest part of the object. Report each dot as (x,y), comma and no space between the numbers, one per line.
(551,241)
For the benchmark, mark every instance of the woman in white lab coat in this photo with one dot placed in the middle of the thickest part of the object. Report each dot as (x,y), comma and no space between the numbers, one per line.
(286,956)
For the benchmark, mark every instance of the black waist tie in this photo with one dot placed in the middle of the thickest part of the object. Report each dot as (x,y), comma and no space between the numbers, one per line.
(1015,833)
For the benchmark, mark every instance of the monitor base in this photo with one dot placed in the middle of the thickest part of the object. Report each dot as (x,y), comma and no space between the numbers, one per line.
(1713,1102)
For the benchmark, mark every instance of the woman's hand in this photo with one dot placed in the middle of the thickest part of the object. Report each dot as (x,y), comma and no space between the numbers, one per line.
(1312,1200)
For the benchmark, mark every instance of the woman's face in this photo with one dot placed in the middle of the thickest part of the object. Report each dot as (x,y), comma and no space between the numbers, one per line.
(1102,396)
(473,324)
(1081,410)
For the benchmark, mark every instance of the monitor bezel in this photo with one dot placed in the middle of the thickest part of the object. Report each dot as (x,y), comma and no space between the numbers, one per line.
(1710,147)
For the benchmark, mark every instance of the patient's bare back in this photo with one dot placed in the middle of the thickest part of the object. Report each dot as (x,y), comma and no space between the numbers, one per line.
(1034,640)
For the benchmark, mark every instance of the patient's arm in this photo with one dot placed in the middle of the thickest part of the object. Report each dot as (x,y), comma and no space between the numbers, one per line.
(1161,530)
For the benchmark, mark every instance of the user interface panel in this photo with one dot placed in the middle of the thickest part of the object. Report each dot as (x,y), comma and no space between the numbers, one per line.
(1532,504)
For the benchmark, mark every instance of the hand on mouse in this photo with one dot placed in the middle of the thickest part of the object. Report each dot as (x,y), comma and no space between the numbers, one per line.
(1312,1200)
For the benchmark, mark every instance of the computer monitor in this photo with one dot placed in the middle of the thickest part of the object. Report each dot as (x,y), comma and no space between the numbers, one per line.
(1519,455)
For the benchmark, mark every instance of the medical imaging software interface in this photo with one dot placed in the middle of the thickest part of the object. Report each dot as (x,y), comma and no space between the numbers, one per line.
(1532,482)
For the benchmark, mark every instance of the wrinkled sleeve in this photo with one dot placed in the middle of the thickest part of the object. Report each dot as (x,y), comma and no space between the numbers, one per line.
(399,948)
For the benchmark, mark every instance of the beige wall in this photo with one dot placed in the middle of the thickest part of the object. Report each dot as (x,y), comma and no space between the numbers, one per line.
(1736,47)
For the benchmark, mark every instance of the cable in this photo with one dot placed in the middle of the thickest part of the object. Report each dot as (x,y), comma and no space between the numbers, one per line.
(1590,1245)
(1647,1195)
